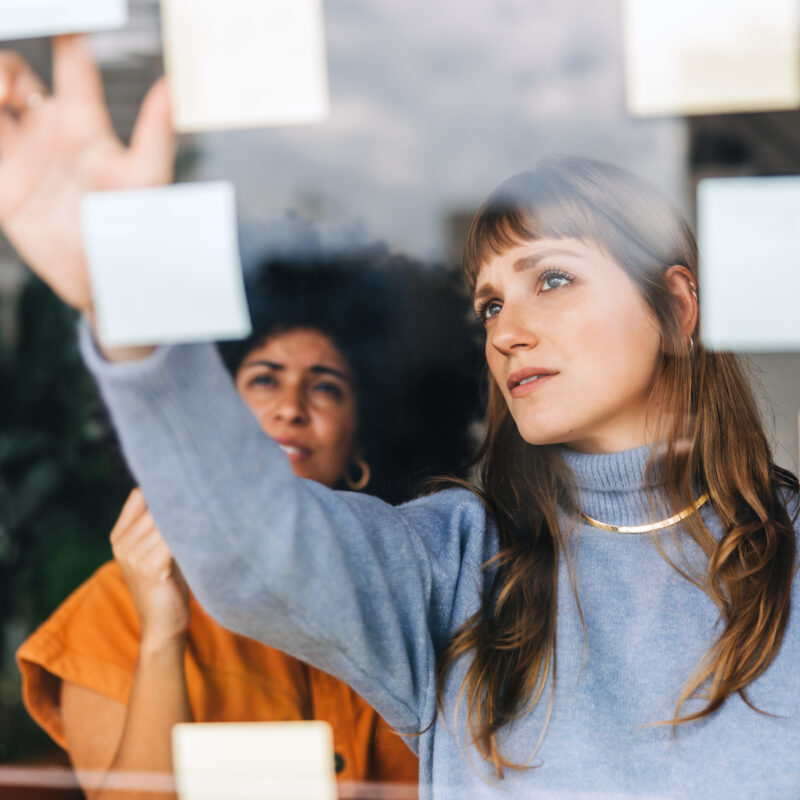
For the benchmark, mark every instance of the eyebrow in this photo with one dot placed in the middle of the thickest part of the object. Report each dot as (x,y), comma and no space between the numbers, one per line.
(317,369)
(525,263)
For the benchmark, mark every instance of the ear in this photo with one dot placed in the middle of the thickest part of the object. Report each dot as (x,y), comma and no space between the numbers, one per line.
(683,287)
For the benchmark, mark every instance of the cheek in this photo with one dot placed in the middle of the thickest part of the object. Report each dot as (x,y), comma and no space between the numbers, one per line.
(336,433)
(494,361)
(620,351)
(258,408)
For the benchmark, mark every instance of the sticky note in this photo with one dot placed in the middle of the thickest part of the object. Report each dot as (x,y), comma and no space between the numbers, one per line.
(164,264)
(244,63)
(21,19)
(685,57)
(254,761)
(749,239)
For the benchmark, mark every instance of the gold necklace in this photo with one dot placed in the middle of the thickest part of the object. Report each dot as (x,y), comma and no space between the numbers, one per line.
(653,526)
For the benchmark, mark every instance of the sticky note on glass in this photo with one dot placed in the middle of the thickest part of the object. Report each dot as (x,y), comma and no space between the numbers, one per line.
(749,238)
(245,63)
(715,56)
(164,264)
(254,761)
(22,19)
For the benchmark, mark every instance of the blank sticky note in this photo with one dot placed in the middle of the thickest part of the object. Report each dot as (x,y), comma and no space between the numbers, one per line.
(714,56)
(245,63)
(749,237)
(164,264)
(21,19)
(254,761)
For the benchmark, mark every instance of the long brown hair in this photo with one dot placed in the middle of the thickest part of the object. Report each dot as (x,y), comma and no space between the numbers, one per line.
(715,439)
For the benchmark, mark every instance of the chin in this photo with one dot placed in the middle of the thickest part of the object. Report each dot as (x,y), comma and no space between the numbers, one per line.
(538,425)
(537,435)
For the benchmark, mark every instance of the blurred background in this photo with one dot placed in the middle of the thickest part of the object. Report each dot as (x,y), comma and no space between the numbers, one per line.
(433,104)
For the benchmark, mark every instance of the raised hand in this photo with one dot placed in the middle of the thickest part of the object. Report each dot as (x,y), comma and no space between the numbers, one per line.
(158,588)
(54,149)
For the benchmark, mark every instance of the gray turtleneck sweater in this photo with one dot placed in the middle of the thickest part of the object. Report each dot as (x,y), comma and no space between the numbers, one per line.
(371,593)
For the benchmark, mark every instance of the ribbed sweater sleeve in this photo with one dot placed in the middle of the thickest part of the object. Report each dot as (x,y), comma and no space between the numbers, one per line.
(344,581)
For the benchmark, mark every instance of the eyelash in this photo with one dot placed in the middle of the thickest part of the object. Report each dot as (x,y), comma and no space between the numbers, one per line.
(556,273)
(264,379)
(480,312)
(327,387)
(331,389)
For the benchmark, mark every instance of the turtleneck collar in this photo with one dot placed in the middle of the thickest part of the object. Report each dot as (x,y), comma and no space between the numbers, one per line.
(612,486)
(620,471)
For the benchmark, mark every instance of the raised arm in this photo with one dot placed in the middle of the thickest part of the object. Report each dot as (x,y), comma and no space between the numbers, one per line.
(344,581)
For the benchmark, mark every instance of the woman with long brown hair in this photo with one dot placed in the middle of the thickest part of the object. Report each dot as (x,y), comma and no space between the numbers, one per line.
(609,614)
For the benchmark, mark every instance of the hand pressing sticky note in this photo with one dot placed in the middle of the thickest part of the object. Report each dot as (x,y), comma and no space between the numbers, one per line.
(749,238)
(164,264)
(685,57)
(244,63)
(254,761)
(21,19)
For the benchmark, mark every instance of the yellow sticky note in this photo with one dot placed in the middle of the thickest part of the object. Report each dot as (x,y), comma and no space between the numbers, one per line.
(254,761)
(715,56)
(245,63)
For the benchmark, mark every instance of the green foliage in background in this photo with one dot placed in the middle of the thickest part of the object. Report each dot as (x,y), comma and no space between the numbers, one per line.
(62,484)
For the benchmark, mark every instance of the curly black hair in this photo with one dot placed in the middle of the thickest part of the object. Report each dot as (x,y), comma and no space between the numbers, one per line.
(407,332)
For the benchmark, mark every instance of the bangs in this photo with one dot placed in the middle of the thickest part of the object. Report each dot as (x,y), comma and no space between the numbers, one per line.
(528,207)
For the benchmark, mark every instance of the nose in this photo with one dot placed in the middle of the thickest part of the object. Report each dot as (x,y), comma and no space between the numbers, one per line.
(290,406)
(512,330)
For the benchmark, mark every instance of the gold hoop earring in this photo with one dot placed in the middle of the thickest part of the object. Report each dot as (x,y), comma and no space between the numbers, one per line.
(366,474)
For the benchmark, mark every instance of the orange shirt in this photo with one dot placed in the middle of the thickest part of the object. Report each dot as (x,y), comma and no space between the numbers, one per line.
(92,640)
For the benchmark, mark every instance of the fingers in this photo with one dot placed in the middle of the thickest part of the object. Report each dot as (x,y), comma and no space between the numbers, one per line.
(137,542)
(75,73)
(141,548)
(153,142)
(20,87)
(134,508)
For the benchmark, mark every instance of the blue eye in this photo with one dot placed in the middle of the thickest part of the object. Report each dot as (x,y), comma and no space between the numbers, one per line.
(487,310)
(554,279)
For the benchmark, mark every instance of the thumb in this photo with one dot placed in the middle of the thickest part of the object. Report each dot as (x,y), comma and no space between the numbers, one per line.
(153,143)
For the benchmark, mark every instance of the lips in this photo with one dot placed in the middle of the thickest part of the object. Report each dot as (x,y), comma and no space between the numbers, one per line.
(524,380)
(295,451)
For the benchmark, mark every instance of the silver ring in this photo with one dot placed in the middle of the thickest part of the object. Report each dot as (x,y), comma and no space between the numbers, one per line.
(35,99)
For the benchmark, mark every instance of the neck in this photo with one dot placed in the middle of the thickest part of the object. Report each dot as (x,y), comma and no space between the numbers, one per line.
(626,434)
(616,488)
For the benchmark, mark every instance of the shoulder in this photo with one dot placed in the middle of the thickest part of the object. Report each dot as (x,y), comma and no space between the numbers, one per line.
(90,640)
(100,602)
(453,525)
(457,508)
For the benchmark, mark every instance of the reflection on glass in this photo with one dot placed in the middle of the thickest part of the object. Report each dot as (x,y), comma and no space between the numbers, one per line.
(426,115)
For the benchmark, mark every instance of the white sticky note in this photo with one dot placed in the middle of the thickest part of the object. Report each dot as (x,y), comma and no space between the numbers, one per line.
(254,761)
(749,238)
(245,63)
(714,56)
(164,264)
(22,19)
